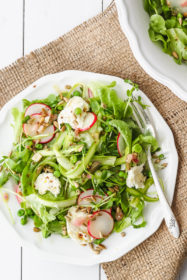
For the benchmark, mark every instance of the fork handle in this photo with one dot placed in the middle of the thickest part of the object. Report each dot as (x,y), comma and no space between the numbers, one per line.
(169,217)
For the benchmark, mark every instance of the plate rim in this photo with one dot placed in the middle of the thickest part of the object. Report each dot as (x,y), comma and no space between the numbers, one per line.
(140,57)
(54,256)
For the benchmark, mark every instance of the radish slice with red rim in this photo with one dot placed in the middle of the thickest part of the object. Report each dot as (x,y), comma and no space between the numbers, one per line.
(89,121)
(31,129)
(85,193)
(87,201)
(100,224)
(121,145)
(89,192)
(90,93)
(36,108)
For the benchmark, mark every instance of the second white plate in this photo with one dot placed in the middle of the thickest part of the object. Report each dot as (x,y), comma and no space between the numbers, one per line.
(135,23)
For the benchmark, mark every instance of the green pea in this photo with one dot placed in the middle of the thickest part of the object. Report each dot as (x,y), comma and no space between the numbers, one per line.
(39,146)
(73,159)
(137,148)
(29,212)
(98,174)
(78,111)
(23,220)
(77,93)
(21,212)
(57,173)
(121,174)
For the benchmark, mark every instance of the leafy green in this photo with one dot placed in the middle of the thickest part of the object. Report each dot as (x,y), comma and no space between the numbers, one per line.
(124,130)
(145,140)
(18,116)
(168,28)
(52,100)
(108,98)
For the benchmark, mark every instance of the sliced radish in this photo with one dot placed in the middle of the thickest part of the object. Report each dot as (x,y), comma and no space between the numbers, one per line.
(100,224)
(18,192)
(89,121)
(90,93)
(32,129)
(85,193)
(184,4)
(49,130)
(121,145)
(87,201)
(36,108)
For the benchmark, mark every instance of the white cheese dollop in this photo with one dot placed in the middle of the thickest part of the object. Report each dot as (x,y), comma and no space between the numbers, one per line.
(67,115)
(135,177)
(47,182)
(77,226)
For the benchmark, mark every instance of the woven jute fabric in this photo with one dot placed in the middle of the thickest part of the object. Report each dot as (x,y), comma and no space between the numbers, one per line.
(99,45)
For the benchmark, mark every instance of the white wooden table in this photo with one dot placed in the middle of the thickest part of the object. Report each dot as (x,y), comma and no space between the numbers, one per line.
(24,26)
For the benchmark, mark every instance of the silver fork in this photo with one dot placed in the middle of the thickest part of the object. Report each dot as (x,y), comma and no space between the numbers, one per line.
(145,125)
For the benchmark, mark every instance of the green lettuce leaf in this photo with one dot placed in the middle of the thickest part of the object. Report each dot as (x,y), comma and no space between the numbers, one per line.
(18,116)
(124,130)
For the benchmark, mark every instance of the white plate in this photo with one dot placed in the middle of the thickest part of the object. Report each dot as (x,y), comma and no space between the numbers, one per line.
(135,23)
(66,250)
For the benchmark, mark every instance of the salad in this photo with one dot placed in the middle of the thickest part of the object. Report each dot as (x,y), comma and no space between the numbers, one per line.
(79,164)
(168,26)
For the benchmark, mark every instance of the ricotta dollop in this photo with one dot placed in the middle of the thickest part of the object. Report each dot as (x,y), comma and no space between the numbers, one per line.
(77,225)
(47,182)
(67,115)
(135,177)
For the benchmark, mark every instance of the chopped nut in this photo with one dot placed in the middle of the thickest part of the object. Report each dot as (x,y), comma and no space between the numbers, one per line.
(116,188)
(36,229)
(68,87)
(44,112)
(157,160)
(175,55)
(95,165)
(102,246)
(123,233)
(40,129)
(46,119)
(66,99)
(100,235)
(128,166)
(164,165)
(56,124)
(91,245)
(119,214)
(97,252)
(63,128)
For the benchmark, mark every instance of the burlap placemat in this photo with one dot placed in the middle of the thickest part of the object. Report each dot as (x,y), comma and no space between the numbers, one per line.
(99,45)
